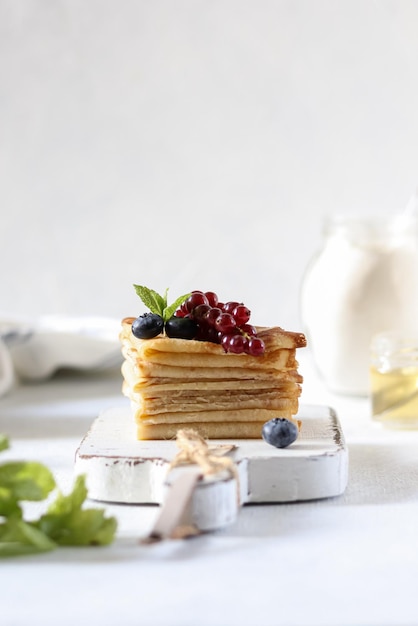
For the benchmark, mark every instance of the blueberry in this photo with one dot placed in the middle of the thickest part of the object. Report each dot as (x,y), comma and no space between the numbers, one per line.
(147,326)
(280,432)
(181,328)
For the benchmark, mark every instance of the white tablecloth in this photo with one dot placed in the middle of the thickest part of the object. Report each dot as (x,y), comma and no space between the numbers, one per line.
(350,560)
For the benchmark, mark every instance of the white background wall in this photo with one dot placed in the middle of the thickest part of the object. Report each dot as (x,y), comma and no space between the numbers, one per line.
(194,144)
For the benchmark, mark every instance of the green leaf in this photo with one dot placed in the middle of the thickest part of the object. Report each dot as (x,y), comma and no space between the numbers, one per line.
(69,525)
(85,527)
(9,506)
(18,537)
(170,310)
(73,501)
(26,480)
(4,442)
(65,522)
(157,303)
(165,296)
(152,299)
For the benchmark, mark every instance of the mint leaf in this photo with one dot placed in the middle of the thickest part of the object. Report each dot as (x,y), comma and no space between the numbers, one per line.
(9,505)
(4,442)
(170,310)
(20,480)
(66,523)
(165,297)
(157,303)
(26,480)
(18,537)
(151,299)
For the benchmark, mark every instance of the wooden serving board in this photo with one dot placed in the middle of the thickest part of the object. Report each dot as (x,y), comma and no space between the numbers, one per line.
(121,469)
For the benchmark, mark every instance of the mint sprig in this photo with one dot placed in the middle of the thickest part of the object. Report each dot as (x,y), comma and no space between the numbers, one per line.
(65,523)
(157,303)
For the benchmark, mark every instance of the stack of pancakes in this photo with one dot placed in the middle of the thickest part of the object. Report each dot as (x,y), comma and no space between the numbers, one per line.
(179,383)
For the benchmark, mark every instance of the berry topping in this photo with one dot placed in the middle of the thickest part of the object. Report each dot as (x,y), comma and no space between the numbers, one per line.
(181,328)
(228,307)
(248,329)
(200,311)
(212,315)
(241,314)
(255,346)
(196,298)
(235,343)
(225,323)
(212,298)
(199,315)
(147,326)
(280,432)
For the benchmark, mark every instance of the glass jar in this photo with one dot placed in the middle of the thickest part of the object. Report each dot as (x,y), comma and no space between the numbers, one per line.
(394,378)
(363,281)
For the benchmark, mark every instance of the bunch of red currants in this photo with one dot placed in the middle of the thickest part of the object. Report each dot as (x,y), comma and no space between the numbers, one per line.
(225,323)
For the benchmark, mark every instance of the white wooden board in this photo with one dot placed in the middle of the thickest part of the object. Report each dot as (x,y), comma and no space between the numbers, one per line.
(121,469)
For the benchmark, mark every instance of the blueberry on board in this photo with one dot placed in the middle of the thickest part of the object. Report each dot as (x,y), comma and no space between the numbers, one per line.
(147,326)
(280,432)
(181,328)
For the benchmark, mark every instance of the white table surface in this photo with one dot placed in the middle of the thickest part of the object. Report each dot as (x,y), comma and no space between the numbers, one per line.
(350,560)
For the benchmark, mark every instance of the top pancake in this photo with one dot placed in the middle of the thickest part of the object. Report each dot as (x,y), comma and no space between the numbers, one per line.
(162,350)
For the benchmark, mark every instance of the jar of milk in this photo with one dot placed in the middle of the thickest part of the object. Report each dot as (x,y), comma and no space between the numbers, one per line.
(363,281)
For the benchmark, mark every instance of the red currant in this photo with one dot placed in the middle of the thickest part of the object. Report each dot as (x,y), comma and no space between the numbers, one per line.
(183,309)
(237,344)
(241,314)
(224,341)
(230,306)
(196,298)
(212,298)
(225,323)
(248,329)
(200,311)
(212,315)
(255,346)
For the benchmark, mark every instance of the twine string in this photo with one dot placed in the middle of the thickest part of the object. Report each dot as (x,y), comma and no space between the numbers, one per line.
(194,449)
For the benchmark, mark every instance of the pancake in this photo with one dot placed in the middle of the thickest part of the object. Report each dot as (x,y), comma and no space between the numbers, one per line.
(214,430)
